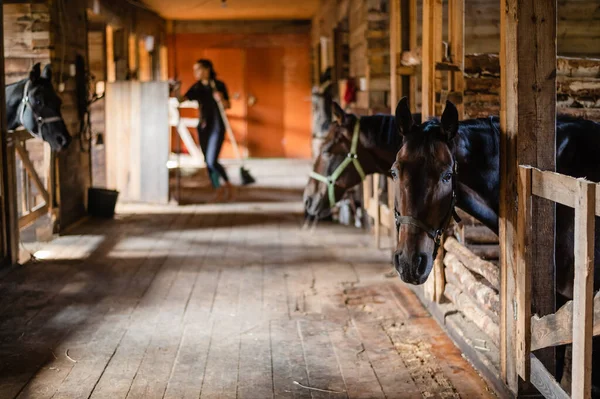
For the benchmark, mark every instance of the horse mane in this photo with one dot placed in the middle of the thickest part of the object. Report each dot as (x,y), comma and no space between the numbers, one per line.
(380,131)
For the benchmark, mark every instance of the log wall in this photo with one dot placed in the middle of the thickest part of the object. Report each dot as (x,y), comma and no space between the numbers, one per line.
(578,86)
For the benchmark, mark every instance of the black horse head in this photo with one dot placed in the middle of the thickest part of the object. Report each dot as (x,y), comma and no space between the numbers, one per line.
(34,104)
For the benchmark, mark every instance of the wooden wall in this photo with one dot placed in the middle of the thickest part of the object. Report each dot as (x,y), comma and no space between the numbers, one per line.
(578,35)
(68,32)
(368,39)
(56,31)
(97,62)
(192,41)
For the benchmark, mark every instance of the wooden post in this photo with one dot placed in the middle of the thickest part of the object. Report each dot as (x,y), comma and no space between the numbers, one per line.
(456,27)
(524,264)
(412,15)
(528,120)
(432,54)
(583,297)
(377,215)
(392,206)
(8,202)
(395,52)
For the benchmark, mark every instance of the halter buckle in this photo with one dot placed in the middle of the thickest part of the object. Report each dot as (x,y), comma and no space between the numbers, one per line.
(352,156)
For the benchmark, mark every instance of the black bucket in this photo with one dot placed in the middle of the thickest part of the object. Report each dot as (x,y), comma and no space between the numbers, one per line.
(102,202)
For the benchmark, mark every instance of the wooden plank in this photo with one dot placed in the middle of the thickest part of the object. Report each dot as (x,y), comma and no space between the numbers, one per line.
(395,50)
(583,286)
(392,217)
(321,363)
(23,155)
(545,382)
(359,377)
(154,143)
(377,215)
(392,373)
(472,311)
(523,277)
(428,61)
(557,328)
(288,360)
(472,262)
(32,216)
(456,33)
(438,270)
(528,126)
(483,294)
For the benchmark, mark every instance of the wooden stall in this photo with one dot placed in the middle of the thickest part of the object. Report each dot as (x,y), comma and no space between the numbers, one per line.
(579,319)
(473,279)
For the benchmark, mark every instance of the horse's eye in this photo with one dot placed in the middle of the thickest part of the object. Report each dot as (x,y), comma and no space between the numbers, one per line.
(38,101)
(447,177)
(393,173)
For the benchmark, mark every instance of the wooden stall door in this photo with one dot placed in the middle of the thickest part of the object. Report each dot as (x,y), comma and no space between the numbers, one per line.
(229,64)
(265,84)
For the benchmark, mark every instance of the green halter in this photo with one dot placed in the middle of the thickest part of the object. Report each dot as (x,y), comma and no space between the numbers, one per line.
(352,157)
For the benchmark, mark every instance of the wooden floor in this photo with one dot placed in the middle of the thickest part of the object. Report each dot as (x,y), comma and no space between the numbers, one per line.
(214,301)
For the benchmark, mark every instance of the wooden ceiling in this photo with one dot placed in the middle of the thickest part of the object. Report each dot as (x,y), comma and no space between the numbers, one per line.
(234,9)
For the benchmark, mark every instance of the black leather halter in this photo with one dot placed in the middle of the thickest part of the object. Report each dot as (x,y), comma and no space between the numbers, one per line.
(433,233)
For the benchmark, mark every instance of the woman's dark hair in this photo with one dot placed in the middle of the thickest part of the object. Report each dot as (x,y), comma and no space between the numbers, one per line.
(208,65)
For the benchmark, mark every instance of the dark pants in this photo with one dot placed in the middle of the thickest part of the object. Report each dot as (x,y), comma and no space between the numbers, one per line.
(211,141)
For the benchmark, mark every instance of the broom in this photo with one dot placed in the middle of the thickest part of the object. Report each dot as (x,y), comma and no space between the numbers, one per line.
(245,175)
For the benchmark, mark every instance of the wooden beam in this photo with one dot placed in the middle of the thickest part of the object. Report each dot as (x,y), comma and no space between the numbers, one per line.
(472,262)
(524,266)
(557,328)
(395,51)
(392,217)
(544,381)
(377,215)
(583,316)
(413,23)
(486,297)
(32,216)
(528,121)
(24,155)
(473,312)
(456,33)
(431,53)
(559,188)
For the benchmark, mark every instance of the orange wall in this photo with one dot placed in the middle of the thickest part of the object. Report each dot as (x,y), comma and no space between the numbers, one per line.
(185,49)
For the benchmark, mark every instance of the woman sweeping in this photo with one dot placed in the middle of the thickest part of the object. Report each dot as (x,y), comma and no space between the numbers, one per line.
(211,129)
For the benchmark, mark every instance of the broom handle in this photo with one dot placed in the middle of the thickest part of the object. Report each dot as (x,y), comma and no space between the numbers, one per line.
(227,126)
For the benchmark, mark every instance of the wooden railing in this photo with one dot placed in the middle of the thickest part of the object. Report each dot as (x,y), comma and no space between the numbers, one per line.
(382,212)
(576,321)
(34,193)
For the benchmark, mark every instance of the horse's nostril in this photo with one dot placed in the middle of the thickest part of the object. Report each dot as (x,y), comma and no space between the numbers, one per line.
(307,202)
(397,257)
(422,263)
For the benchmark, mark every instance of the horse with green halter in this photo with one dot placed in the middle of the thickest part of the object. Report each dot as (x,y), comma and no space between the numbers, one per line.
(351,158)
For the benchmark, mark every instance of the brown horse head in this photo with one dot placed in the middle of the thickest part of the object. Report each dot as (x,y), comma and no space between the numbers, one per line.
(334,151)
(424,184)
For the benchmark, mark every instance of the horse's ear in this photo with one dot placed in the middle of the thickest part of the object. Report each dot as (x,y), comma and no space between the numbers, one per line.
(338,113)
(450,121)
(404,119)
(35,73)
(47,73)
